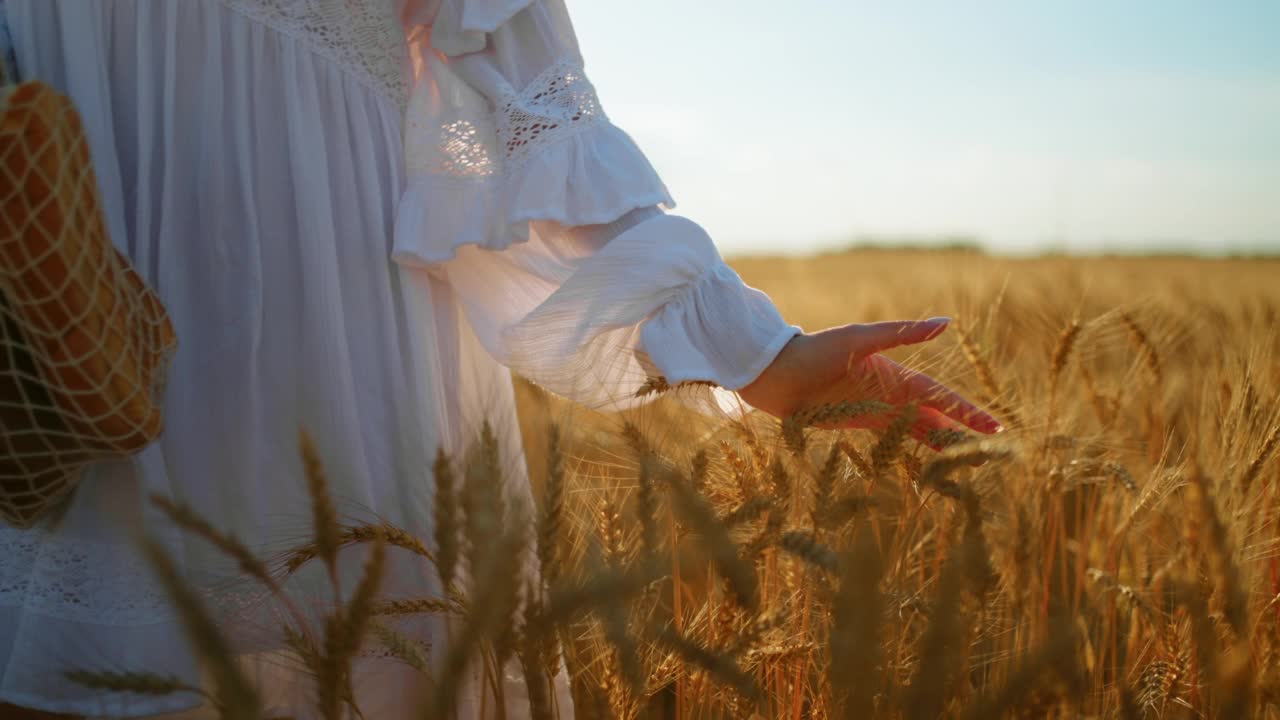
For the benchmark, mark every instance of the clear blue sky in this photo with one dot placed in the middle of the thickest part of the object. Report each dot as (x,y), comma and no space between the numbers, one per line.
(1087,124)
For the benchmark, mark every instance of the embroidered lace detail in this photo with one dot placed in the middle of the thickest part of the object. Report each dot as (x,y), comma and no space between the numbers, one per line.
(559,103)
(463,150)
(98,583)
(364,37)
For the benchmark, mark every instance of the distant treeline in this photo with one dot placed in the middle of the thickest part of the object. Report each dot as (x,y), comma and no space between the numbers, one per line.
(970,244)
(916,243)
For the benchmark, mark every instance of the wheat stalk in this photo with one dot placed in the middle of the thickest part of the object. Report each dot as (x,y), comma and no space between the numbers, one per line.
(748,510)
(841,511)
(746,641)
(493,601)
(658,385)
(249,563)
(233,692)
(324,517)
(928,691)
(1062,352)
(1053,659)
(827,414)
(538,665)
(190,520)
(1222,566)
(724,553)
(698,471)
(1142,342)
(646,495)
(719,665)
(416,606)
(483,502)
(805,546)
(411,652)
(138,683)
(855,638)
(973,354)
(445,510)
(550,522)
(1265,453)
(891,442)
(626,652)
(824,485)
(609,527)
(359,534)
(936,472)
(344,633)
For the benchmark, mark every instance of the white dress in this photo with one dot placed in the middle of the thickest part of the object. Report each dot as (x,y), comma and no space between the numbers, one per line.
(360,214)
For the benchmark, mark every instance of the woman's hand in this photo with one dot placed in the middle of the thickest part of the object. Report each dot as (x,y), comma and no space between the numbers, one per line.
(844,363)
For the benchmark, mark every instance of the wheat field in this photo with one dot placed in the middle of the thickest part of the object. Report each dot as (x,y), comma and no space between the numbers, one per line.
(1114,553)
(1117,555)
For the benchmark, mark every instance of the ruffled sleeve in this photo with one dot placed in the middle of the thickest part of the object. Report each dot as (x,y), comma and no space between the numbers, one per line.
(503,128)
(597,293)
(597,313)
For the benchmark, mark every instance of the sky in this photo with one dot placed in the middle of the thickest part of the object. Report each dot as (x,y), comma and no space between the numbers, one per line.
(1036,124)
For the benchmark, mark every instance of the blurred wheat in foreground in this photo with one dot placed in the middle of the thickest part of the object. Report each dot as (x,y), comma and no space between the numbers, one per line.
(1114,553)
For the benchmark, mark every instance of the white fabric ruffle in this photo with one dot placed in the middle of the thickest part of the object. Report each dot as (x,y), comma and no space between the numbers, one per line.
(592,316)
(588,178)
(508,148)
(461,25)
(509,133)
(717,328)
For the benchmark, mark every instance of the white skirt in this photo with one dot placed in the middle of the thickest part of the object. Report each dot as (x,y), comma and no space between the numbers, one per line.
(254,184)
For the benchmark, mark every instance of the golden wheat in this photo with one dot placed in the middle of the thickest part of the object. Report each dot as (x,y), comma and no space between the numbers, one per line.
(445,512)
(324,516)
(1113,555)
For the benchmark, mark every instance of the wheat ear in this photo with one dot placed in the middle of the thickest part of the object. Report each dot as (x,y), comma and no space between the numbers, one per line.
(550,522)
(323,515)
(138,683)
(1142,342)
(855,637)
(409,651)
(1062,352)
(805,546)
(445,512)
(1265,453)
(891,442)
(715,535)
(235,695)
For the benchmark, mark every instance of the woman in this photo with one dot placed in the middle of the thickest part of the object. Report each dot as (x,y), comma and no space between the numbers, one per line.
(360,214)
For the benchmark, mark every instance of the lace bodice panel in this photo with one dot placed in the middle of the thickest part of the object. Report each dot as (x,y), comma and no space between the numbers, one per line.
(472,142)
(364,37)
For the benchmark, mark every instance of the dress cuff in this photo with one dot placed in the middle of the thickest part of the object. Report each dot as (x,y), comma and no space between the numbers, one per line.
(656,299)
(718,330)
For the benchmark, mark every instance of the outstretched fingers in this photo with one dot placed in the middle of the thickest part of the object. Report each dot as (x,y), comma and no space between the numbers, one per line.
(870,338)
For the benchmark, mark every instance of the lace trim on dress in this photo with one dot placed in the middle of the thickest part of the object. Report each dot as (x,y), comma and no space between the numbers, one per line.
(364,37)
(557,104)
(100,583)
(90,582)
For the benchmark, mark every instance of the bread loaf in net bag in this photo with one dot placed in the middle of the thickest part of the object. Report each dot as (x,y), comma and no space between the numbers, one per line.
(84,342)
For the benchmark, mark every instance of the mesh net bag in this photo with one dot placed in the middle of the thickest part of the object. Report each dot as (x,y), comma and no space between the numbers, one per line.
(84,343)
